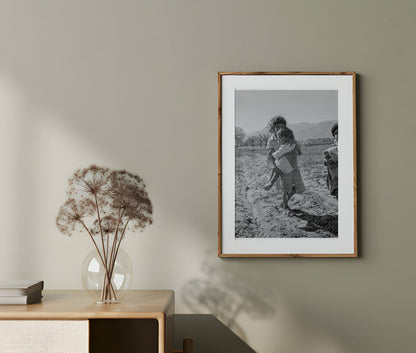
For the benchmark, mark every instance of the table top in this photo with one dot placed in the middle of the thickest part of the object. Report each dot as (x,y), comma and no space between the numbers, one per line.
(77,305)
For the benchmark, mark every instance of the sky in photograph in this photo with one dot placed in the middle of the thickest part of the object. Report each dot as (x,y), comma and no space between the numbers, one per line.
(255,108)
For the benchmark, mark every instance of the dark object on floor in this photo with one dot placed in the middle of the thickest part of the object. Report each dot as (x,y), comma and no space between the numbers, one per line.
(209,335)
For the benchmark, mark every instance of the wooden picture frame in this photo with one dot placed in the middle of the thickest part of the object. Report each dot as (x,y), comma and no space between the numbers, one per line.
(287,188)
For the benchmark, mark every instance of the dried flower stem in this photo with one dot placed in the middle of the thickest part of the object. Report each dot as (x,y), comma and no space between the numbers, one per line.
(101,227)
(113,255)
(118,247)
(104,294)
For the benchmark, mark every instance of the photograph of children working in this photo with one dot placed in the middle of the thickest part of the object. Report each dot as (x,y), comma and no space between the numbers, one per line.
(286,164)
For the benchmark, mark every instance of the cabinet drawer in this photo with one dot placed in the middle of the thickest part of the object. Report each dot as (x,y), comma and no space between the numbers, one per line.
(43,336)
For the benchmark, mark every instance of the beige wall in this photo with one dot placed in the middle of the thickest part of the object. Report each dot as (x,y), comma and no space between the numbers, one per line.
(132,84)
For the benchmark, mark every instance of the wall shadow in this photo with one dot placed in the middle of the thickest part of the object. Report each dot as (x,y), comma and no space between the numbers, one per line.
(243,299)
(224,293)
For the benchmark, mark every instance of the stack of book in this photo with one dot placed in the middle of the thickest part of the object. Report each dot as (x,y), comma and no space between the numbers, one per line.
(20,292)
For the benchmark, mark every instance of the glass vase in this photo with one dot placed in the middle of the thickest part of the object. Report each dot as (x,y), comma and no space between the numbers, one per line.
(95,277)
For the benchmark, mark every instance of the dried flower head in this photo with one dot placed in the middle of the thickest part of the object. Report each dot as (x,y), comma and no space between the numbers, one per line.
(128,193)
(114,198)
(92,182)
(108,225)
(72,213)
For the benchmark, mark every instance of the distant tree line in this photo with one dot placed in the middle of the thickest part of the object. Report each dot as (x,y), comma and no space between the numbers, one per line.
(259,139)
(321,141)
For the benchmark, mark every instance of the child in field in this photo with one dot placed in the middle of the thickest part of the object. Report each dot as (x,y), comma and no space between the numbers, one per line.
(276,150)
(331,163)
(287,144)
(287,162)
(275,124)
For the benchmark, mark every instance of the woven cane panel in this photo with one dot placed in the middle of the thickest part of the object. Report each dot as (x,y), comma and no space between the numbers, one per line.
(54,336)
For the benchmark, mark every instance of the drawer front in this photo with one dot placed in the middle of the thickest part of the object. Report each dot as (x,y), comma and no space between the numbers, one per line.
(43,336)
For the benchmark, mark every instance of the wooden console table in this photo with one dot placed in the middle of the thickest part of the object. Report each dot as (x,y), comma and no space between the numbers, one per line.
(142,322)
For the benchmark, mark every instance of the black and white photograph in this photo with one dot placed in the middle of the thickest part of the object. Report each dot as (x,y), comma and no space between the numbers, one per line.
(285,165)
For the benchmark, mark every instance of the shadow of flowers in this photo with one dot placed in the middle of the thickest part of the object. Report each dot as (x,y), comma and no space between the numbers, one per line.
(227,291)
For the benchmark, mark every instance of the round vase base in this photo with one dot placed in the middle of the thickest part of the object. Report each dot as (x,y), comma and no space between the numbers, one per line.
(109,301)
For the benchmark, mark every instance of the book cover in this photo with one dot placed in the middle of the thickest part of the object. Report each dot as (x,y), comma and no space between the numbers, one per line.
(19,287)
(22,299)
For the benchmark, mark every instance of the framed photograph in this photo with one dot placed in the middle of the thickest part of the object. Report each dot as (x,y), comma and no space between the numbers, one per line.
(287,164)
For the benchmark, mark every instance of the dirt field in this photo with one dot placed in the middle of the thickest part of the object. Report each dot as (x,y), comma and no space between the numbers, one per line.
(258,212)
